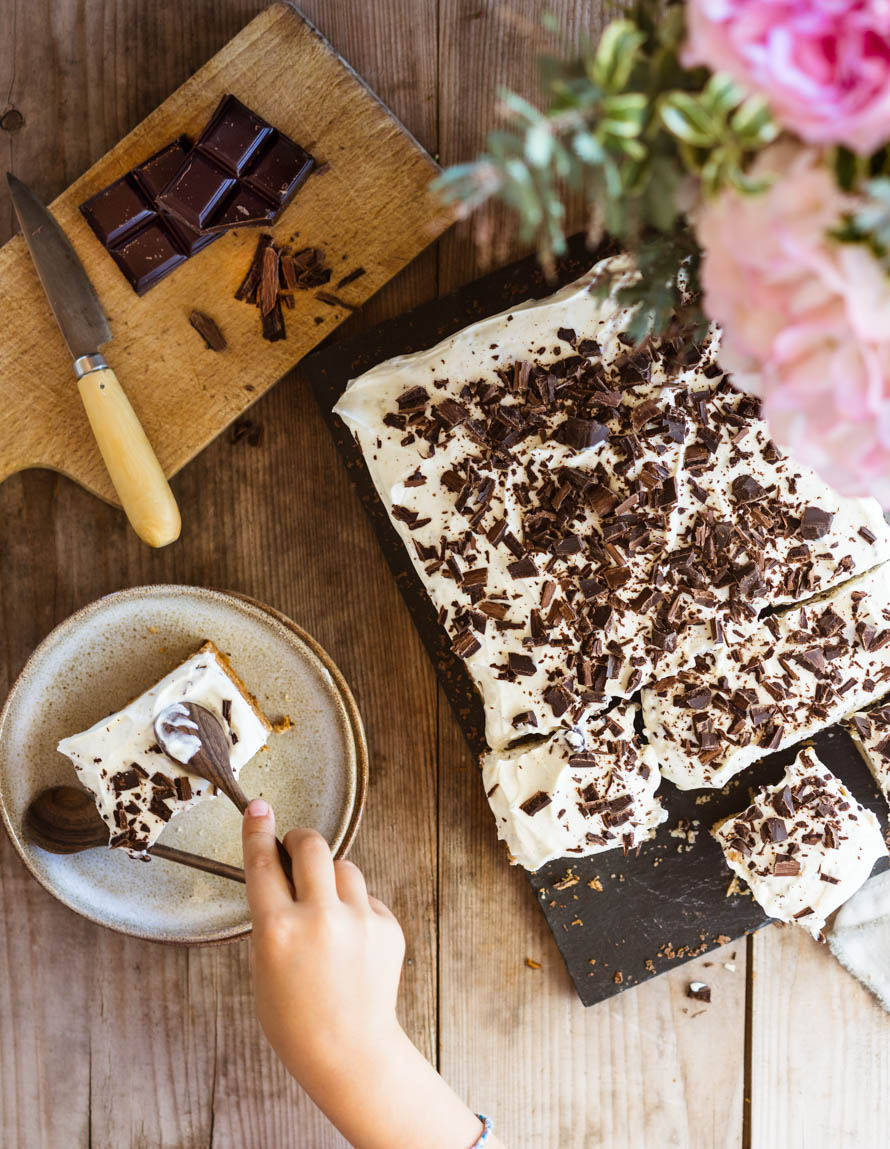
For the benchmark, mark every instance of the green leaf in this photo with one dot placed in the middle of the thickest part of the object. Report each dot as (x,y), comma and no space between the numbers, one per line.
(519,106)
(721,94)
(615,55)
(685,118)
(587,148)
(539,146)
(633,149)
(625,115)
(753,123)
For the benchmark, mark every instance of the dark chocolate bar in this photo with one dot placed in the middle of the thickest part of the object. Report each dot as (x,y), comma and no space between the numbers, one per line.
(241,171)
(145,244)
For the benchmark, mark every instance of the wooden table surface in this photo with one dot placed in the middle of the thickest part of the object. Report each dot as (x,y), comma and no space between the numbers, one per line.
(791,1052)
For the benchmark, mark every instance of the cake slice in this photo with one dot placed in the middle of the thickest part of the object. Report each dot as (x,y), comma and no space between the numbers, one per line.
(789,675)
(871,733)
(577,792)
(803,846)
(586,517)
(137,788)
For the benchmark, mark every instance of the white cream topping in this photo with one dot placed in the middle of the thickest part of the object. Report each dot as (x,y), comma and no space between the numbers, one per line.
(712,485)
(111,749)
(794,673)
(870,730)
(804,846)
(576,793)
(174,727)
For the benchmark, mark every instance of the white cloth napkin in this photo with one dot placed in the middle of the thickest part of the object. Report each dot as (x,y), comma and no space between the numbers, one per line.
(859,937)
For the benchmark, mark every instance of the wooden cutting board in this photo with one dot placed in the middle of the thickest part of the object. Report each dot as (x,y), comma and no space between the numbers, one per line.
(368,207)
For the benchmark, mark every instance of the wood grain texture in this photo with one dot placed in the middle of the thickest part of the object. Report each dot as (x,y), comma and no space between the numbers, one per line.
(820,1054)
(269,531)
(623,1074)
(366,205)
(280,522)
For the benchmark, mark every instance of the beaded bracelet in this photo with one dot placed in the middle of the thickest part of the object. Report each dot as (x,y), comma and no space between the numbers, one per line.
(486,1129)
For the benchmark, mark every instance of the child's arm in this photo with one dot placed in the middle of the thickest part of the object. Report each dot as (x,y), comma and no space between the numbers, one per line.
(326,972)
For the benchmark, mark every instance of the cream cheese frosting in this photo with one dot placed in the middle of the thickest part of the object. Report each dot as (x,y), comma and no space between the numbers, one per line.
(804,846)
(575,793)
(137,788)
(587,518)
(871,732)
(793,673)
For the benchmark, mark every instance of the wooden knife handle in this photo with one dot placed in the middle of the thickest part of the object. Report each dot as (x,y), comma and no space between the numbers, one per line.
(132,464)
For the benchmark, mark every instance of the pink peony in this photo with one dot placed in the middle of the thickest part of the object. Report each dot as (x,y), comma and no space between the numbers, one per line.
(806,320)
(823,65)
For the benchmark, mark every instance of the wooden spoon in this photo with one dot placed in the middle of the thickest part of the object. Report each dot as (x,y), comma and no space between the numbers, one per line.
(64,820)
(194,737)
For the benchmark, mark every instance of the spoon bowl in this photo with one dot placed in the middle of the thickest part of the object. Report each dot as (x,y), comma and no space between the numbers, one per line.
(194,737)
(64,820)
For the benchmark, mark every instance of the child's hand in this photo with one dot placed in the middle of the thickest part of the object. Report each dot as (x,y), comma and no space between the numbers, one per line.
(326,966)
(326,961)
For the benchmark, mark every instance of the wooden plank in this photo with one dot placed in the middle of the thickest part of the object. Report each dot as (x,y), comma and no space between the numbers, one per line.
(150,1020)
(515,1041)
(44,1000)
(277,520)
(366,205)
(820,1054)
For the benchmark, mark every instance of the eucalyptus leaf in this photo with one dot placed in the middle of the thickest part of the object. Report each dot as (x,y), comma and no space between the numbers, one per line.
(615,56)
(721,94)
(753,123)
(539,146)
(684,117)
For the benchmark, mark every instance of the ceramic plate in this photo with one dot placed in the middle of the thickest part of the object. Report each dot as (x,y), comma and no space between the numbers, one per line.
(314,774)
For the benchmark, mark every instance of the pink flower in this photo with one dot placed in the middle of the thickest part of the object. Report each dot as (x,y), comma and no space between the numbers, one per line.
(823,65)
(806,319)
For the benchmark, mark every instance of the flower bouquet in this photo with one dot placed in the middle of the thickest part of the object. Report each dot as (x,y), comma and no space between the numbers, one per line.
(740,149)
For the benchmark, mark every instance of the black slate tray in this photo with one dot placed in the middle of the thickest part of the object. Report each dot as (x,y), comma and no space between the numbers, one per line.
(618,920)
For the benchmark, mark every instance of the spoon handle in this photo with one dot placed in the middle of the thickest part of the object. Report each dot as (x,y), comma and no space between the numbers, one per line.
(241,800)
(197,862)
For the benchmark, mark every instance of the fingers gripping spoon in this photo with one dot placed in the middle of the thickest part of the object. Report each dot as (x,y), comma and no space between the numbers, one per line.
(193,736)
(132,464)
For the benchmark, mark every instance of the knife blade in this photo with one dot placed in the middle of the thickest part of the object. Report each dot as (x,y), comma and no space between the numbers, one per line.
(132,464)
(71,296)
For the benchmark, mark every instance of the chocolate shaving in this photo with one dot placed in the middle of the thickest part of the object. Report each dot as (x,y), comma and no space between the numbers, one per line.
(269,280)
(351,277)
(537,802)
(581,433)
(331,300)
(815,523)
(247,291)
(207,328)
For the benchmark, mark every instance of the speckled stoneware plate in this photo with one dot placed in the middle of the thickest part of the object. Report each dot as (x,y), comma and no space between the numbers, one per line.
(314,774)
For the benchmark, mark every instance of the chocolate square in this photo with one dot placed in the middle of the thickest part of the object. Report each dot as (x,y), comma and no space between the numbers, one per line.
(242,208)
(156,172)
(233,135)
(148,256)
(119,209)
(196,190)
(279,170)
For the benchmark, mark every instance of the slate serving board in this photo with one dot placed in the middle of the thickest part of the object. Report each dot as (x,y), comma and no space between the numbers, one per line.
(618,920)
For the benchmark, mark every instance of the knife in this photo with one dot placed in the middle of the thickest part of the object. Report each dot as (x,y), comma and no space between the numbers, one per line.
(132,464)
